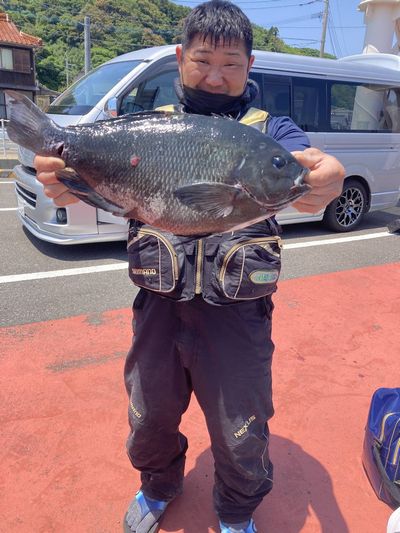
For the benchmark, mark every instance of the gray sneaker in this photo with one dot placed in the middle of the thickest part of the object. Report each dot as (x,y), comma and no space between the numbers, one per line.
(249,527)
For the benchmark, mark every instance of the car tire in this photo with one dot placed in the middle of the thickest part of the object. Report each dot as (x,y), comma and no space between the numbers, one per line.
(346,212)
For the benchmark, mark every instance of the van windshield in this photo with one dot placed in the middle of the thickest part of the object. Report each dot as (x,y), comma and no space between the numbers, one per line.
(81,97)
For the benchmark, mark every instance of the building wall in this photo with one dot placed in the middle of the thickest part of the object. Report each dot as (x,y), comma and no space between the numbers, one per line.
(23,72)
(20,78)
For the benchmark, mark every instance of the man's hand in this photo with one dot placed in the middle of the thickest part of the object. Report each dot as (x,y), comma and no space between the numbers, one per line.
(46,167)
(326,178)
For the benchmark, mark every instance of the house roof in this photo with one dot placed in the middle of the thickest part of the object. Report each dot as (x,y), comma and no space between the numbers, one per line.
(10,34)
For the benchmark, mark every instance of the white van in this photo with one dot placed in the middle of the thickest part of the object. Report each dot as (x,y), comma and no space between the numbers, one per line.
(348,107)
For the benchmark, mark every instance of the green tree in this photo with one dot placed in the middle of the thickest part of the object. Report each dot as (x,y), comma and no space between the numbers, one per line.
(117,27)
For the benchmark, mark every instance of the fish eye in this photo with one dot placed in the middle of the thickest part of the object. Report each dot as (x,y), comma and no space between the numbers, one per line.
(278,162)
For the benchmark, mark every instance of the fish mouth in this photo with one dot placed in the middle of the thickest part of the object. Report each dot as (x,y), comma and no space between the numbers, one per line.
(298,189)
(296,192)
(299,181)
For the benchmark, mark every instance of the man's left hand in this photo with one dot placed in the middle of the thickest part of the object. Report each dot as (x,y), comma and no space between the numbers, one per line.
(325,177)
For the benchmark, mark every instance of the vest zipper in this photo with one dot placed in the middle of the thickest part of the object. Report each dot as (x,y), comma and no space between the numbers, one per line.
(199,265)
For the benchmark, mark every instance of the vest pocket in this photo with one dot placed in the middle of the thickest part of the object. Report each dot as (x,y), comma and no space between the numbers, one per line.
(161,262)
(251,269)
(245,270)
(153,261)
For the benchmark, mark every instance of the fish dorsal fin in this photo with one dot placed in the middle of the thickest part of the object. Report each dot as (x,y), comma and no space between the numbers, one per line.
(141,114)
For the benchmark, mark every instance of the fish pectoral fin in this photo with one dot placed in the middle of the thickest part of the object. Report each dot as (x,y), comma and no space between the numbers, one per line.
(215,199)
(72,180)
(79,188)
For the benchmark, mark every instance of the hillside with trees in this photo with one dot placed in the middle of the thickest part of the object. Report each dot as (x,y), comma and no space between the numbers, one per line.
(115,28)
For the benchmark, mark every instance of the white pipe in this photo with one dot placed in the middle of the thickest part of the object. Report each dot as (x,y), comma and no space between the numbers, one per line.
(380,20)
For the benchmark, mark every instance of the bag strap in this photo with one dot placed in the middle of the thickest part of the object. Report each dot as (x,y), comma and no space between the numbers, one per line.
(391,487)
(169,108)
(258,118)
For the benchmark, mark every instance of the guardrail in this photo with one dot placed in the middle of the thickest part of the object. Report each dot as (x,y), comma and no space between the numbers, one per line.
(7,147)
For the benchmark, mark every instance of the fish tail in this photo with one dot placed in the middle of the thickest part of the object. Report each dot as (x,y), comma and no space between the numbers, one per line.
(28,124)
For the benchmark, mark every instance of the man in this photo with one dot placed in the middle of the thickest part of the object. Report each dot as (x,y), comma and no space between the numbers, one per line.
(220,352)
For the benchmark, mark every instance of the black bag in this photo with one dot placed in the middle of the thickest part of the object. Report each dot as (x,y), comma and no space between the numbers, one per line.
(225,268)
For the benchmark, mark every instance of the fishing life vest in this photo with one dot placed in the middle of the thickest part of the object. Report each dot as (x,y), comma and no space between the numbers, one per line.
(223,268)
(257,118)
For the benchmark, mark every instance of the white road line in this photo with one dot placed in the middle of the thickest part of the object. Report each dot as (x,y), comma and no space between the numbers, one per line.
(121,266)
(6,182)
(60,273)
(338,240)
(8,208)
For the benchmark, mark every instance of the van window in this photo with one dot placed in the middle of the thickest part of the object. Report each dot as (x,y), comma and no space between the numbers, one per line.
(391,107)
(151,93)
(159,90)
(364,107)
(308,97)
(257,77)
(277,95)
(81,97)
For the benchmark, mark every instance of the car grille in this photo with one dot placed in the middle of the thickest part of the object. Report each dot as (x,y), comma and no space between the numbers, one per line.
(25,194)
(29,170)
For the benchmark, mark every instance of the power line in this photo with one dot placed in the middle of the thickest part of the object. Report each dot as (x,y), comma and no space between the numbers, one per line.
(337,40)
(333,36)
(301,4)
(295,19)
(316,27)
(280,1)
(337,11)
(299,39)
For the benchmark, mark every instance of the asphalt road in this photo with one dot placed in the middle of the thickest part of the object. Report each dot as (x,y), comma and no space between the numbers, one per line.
(308,249)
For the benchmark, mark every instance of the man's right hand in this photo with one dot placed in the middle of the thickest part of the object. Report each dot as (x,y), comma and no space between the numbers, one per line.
(45,168)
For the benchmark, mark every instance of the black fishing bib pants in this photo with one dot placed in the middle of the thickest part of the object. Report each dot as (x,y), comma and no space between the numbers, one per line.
(223,354)
(220,352)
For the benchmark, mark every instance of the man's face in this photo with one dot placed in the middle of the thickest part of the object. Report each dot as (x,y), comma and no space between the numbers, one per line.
(219,69)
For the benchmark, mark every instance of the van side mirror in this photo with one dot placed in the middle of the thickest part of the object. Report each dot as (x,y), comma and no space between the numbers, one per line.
(111,108)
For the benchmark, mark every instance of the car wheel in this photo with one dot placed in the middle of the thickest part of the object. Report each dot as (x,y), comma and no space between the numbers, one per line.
(345,212)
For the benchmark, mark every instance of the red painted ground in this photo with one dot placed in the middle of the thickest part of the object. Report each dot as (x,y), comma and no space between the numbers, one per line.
(63,415)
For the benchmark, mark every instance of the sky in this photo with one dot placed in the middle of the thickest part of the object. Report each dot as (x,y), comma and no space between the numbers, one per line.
(300,22)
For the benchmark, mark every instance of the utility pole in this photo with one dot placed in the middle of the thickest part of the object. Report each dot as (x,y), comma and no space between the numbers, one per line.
(87,45)
(67,69)
(324,26)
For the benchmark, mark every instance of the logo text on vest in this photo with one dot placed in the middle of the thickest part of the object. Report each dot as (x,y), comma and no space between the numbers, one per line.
(145,271)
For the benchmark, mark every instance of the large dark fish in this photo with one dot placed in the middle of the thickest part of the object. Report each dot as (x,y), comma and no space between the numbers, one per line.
(187,174)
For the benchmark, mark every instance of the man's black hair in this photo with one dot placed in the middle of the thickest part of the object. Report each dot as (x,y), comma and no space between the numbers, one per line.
(220,22)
